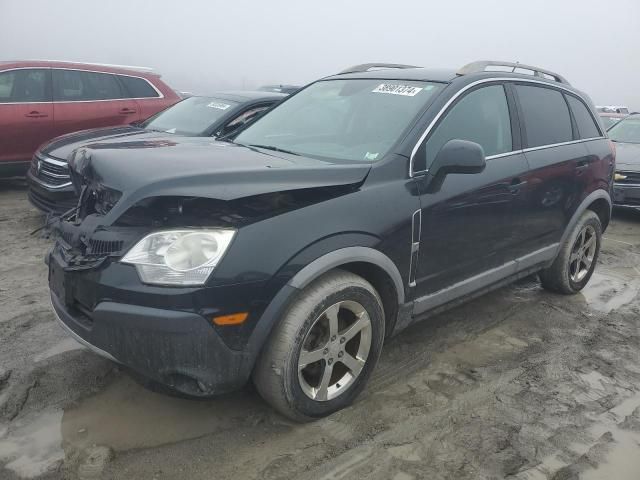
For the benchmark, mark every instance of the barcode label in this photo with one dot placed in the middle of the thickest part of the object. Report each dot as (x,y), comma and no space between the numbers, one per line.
(218,105)
(406,90)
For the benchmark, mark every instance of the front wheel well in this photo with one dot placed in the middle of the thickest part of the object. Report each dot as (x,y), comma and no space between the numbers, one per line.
(383,284)
(601,208)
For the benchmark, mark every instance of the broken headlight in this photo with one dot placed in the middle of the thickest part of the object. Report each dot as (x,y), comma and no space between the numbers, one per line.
(179,257)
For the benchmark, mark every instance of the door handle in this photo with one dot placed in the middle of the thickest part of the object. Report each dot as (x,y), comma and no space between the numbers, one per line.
(515,185)
(35,114)
(126,111)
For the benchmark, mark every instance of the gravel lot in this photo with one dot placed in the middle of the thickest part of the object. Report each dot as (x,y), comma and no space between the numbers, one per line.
(519,384)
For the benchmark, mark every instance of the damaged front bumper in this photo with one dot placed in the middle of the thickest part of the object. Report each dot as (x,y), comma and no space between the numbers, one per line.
(163,333)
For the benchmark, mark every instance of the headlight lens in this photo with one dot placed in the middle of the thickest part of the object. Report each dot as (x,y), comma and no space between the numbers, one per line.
(179,257)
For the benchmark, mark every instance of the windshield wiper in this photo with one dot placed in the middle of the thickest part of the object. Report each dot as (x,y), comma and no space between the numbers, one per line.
(275,149)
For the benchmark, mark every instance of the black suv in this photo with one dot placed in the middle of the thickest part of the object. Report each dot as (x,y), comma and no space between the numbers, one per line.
(361,204)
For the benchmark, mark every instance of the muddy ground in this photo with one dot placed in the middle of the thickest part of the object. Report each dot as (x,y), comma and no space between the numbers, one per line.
(519,384)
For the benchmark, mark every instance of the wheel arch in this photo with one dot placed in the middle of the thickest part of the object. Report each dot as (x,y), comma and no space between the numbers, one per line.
(364,261)
(599,201)
(371,264)
(602,208)
(368,263)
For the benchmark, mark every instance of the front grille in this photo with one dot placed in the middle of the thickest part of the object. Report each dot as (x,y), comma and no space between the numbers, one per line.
(67,237)
(104,247)
(49,171)
(633,178)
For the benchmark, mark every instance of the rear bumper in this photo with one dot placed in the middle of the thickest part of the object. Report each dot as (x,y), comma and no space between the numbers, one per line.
(626,196)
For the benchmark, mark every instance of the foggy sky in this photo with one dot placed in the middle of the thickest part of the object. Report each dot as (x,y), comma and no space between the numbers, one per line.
(203,46)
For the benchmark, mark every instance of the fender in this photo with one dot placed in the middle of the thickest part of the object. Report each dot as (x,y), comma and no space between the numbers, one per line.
(584,205)
(313,270)
(348,255)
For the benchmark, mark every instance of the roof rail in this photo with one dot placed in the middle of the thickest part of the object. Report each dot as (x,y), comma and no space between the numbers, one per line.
(481,66)
(111,65)
(365,67)
(129,67)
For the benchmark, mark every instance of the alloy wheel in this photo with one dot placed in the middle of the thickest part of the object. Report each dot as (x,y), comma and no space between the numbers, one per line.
(582,253)
(334,350)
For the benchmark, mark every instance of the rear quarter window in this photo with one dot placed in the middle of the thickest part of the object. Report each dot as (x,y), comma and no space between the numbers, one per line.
(138,87)
(545,116)
(587,127)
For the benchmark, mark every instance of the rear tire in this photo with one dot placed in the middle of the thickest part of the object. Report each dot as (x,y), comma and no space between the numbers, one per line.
(320,356)
(577,258)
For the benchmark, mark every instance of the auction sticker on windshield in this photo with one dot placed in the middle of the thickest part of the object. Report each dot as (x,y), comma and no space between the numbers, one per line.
(218,105)
(406,90)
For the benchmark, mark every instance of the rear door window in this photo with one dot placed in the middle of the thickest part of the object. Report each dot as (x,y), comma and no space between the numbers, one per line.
(24,86)
(76,85)
(545,116)
(481,116)
(587,127)
(138,87)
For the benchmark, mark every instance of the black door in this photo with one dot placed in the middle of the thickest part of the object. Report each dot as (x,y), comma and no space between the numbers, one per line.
(466,229)
(559,160)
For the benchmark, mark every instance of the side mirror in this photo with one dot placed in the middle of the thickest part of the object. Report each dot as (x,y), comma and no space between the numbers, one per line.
(455,156)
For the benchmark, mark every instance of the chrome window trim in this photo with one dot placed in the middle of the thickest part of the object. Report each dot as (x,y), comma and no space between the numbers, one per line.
(161,95)
(28,103)
(551,145)
(500,155)
(445,107)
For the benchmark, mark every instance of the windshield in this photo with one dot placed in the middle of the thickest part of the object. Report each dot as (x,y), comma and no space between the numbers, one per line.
(352,120)
(193,116)
(626,130)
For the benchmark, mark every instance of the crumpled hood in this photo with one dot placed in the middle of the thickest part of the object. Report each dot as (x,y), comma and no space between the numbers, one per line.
(61,147)
(627,156)
(200,167)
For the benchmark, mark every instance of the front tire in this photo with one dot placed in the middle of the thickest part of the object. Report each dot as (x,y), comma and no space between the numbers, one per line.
(577,259)
(320,356)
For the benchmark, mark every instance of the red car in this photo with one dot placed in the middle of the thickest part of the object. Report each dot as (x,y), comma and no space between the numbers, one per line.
(40,100)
